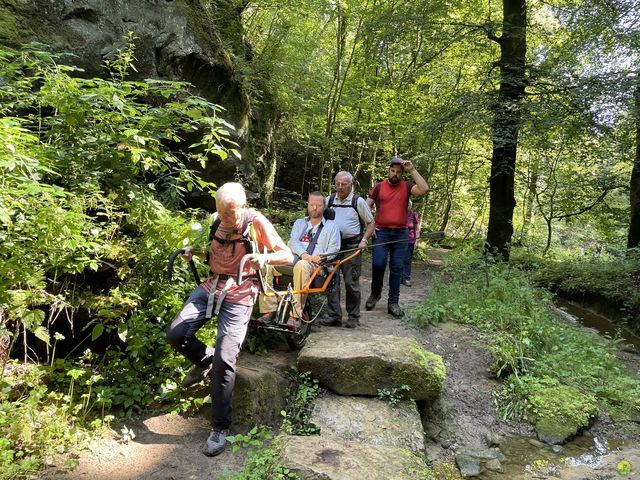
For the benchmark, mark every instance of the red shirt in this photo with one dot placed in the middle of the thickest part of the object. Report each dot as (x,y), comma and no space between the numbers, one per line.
(391,203)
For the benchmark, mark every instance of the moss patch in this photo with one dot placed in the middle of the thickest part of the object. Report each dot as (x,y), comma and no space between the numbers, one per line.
(13,29)
(561,412)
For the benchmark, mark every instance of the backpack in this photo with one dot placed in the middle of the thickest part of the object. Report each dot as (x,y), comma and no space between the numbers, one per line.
(354,205)
(248,235)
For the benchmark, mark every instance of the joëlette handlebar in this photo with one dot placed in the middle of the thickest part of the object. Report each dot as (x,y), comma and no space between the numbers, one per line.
(431,235)
(192,266)
(241,265)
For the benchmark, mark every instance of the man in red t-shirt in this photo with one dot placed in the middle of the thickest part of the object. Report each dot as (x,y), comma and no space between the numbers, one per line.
(391,199)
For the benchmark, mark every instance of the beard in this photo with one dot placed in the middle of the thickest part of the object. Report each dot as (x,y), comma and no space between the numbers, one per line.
(316,215)
(393,180)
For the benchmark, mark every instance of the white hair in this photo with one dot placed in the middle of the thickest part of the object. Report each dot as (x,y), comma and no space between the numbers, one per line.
(231,192)
(347,175)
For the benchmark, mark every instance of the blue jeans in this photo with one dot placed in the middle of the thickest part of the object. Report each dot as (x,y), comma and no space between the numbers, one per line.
(395,254)
(233,321)
(406,270)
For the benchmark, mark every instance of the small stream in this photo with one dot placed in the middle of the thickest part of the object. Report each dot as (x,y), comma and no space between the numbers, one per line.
(576,313)
(529,458)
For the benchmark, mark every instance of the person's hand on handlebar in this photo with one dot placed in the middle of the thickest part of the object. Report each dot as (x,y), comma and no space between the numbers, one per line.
(257,260)
(188,253)
(311,258)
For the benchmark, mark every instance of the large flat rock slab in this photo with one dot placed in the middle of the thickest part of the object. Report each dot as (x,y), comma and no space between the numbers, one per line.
(355,363)
(328,457)
(372,421)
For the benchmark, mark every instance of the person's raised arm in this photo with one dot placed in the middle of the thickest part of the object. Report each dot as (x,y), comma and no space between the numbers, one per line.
(421,186)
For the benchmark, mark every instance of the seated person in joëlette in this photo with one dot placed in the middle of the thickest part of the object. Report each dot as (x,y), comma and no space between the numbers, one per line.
(310,237)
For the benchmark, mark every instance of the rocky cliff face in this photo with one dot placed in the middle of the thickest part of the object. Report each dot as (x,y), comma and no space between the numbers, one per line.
(197,41)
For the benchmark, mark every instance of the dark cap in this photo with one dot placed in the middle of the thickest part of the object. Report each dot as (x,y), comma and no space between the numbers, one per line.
(396,161)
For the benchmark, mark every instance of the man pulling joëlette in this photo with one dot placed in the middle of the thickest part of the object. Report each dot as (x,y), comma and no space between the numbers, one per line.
(232,303)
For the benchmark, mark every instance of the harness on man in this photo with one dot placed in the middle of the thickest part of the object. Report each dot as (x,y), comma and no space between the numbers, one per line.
(248,239)
(354,205)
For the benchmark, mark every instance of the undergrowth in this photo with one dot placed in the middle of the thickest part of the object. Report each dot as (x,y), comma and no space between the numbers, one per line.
(92,174)
(615,278)
(531,348)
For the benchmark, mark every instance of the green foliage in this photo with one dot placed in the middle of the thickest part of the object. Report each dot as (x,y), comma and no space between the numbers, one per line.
(394,395)
(615,279)
(37,423)
(302,393)
(265,463)
(544,398)
(529,345)
(91,171)
(254,438)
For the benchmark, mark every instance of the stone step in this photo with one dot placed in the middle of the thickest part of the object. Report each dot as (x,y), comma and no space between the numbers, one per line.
(370,420)
(329,457)
(358,363)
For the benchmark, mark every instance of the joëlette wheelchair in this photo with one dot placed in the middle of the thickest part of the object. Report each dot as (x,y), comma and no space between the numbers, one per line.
(320,281)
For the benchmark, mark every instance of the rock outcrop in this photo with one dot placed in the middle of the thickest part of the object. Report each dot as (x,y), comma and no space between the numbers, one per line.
(370,420)
(196,41)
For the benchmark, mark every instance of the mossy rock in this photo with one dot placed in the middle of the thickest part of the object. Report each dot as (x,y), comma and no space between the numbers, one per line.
(13,29)
(561,412)
(355,363)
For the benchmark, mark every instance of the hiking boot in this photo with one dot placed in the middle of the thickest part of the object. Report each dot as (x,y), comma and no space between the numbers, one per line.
(406,282)
(215,443)
(352,323)
(196,375)
(330,322)
(395,310)
(371,302)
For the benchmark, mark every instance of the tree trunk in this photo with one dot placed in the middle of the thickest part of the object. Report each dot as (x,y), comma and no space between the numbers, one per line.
(506,124)
(532,190)
(633,239)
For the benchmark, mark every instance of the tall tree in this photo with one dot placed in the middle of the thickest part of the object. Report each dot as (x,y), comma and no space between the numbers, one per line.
(506,124)
(633,239)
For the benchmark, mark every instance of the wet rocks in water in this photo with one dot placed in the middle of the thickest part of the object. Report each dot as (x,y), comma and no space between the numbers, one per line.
(493,439)
(494,465)
(469,466)
(474,462)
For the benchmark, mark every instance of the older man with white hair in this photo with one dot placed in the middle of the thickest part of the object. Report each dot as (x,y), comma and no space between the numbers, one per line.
(355,221)
(236,231)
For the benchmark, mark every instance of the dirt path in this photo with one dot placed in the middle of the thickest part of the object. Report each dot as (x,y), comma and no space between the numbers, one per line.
(168,447)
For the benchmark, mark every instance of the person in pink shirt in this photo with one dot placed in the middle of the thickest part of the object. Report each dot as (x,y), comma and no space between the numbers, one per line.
(413,225)
(237,230)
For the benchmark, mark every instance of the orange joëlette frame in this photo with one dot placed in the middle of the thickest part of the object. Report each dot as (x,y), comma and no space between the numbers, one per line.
(305,289)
